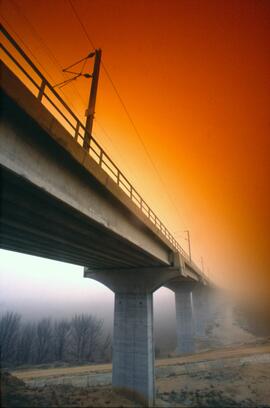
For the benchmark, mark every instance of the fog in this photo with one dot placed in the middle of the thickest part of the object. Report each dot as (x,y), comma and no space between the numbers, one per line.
(37,288)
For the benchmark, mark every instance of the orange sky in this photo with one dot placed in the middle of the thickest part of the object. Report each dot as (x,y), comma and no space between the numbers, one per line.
(195,78)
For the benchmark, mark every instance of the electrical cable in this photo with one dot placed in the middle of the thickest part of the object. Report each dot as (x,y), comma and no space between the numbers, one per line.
(125,109)
(113,86)
(27,47)
(50,55)
(57,63)
(105,69)
(54,60)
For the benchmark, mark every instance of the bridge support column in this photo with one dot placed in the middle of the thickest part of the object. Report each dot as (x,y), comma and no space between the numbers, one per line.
(184,321)
(184,317)
(133,351)
(200,298)
(133,345)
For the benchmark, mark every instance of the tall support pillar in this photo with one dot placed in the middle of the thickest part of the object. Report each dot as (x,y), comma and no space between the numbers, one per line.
(133,351)
(201,310)
(184,316)
(133,345)
(184,321)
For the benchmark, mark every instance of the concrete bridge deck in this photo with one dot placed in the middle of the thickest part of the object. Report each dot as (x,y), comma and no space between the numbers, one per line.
(43,164)
(62,201)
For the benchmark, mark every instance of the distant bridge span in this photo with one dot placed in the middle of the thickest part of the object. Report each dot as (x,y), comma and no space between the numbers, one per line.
(64,202)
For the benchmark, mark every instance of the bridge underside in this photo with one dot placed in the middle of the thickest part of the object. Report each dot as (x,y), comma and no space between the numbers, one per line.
(36,223)
(57,202)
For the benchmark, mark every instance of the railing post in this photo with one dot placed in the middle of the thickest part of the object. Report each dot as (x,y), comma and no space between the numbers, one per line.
(87,138)
(77,130)
(41,90)
(100,157)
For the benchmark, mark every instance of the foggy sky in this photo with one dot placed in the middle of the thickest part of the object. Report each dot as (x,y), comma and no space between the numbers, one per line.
(38,287)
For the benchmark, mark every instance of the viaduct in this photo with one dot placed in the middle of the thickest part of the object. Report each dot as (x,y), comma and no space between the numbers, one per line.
(66,201)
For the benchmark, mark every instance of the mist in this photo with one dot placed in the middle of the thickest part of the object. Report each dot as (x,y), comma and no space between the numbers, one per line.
(38,288)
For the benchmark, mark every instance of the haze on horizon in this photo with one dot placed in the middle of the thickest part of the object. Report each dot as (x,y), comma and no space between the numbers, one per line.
(38,288)
(195,77)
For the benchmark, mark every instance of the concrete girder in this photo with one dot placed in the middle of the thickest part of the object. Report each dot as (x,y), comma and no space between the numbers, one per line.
(37,148)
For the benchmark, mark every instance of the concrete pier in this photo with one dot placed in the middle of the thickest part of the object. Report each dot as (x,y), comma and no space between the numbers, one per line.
(184,321)
(133,343)
(133,351)
(184,317)
(200,298)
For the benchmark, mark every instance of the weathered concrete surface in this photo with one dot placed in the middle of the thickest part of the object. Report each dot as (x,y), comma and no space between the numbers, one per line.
(44,156)
(184,316)
(57,202)
(201,308)
(53,168)
(133,350)
(133,346)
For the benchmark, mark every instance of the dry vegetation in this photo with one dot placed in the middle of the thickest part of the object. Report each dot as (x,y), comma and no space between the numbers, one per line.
(243,385)
(75,340)
(238,387)
(14,393)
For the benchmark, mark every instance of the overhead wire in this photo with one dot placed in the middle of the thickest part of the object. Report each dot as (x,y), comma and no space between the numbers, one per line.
(105,132)
(36,59)
(102,64)
(50,54)
(76,75)
(26,47)
(125,110)
(54,60)
(105,69)
(58,65)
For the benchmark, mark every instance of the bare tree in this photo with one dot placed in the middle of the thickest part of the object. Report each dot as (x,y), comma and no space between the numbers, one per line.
(9,330)
(61,334)
(95,335)
(80,338)
(26,343)
(85,333)
(43,341)
(105,348)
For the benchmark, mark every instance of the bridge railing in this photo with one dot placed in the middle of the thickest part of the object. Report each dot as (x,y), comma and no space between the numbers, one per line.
(17,60)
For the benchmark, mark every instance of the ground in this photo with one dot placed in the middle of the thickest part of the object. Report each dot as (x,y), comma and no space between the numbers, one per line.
(14,393)
(231,377)
(244,386)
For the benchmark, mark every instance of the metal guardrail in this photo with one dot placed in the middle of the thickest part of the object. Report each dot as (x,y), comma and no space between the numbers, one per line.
(47,95)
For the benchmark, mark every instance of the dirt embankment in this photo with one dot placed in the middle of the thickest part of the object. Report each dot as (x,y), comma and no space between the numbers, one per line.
(14,393)
(231,377)
(228,352)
